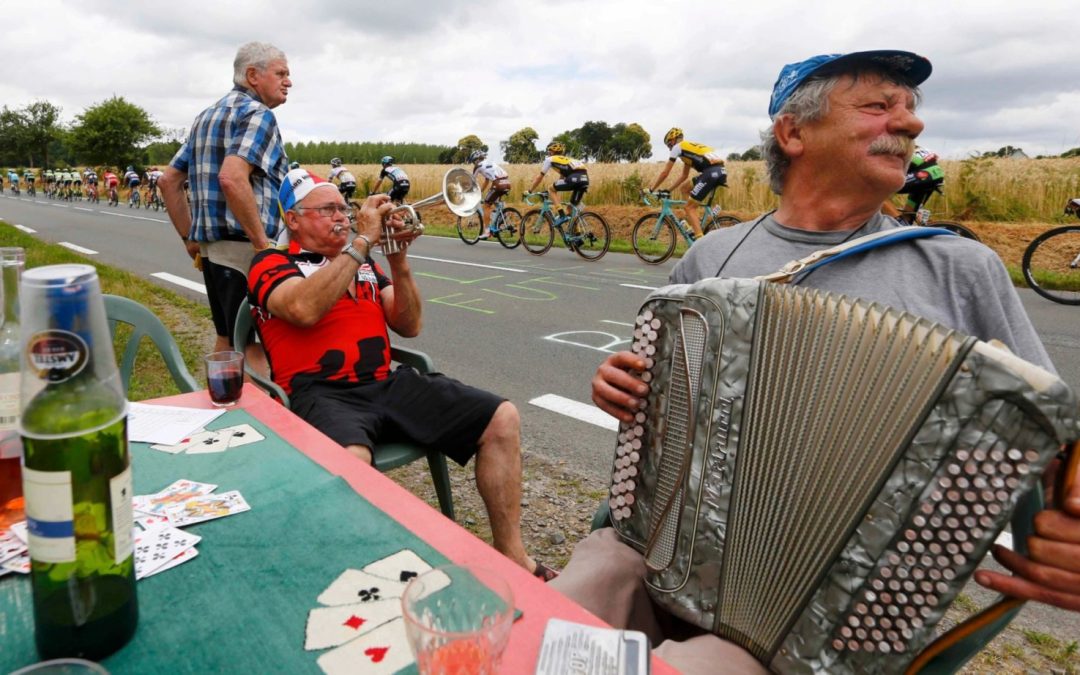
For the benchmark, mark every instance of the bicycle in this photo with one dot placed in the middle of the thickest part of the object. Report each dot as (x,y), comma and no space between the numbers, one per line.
(92,194)
(1051,262)
(588,234)
(915,214)
(134,198)
(153,199)
(114,197)
(505,226)
(657,246)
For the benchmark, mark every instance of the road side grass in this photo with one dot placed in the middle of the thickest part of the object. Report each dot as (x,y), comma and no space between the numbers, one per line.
(188,321)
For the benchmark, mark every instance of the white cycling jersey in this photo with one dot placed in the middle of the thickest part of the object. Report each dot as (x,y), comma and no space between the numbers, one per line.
(342,175)
(490,170)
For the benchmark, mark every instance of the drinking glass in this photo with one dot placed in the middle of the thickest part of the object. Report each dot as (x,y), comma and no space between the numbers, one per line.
(225,377)
(460,627)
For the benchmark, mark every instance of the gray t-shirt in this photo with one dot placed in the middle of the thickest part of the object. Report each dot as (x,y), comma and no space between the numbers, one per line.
(957,282)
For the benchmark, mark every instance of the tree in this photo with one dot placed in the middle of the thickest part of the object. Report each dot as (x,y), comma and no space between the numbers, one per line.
(42,129)
(13,135)
(630,142)
(751,155)
(520,148)
(112,133)
(595,141)
(572,141)
(465,147)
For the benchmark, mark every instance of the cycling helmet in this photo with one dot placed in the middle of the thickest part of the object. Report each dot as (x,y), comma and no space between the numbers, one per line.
(387,160)
(672,136)
(555,148)
(294,165)
(335,162)
(131,168)
(476,156)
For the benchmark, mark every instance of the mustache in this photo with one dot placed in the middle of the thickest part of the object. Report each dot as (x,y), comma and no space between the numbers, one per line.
(901,146)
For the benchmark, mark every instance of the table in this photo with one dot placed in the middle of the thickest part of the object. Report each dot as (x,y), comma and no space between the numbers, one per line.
(260,610)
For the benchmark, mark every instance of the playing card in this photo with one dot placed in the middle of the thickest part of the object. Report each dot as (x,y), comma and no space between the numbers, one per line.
(178,559)
(177,493)
(402,566)
(181,446)
(207,442)
(10,546)
(333,626)
(240,435)
(19,530)
(153,522)
(359,586)
(207,507)
(383,650)
(155,548)
(19,564)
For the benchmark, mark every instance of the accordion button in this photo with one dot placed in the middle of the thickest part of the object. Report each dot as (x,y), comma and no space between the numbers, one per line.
(630,500)
(630,486)
(632,471)
(853,646)
(1014,454)
(838,645)
(626,511)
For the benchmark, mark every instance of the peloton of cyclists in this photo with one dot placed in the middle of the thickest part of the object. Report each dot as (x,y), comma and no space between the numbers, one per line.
(702,158)
(344,179)
(495,183)
(573,176)
(399,187)
(131,179)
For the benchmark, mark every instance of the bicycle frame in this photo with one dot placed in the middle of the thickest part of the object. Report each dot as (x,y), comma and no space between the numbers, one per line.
(666,204)
(556,221)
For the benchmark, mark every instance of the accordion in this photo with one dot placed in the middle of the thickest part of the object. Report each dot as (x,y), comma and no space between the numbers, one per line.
(814,477)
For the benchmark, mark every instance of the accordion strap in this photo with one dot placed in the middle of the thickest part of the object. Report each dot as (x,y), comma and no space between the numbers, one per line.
(796,269)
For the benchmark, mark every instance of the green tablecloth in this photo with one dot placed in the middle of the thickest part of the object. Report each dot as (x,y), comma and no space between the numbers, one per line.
(242,604)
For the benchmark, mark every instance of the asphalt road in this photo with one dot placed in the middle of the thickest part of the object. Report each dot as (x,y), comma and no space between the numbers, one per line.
(531,328)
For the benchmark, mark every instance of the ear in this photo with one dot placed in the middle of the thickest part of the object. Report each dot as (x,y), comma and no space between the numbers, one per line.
(250,76)
(789,135)
(292,221)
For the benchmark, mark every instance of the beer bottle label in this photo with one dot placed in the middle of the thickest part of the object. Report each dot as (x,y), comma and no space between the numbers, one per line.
(123,517)
(56,355)
(50,518)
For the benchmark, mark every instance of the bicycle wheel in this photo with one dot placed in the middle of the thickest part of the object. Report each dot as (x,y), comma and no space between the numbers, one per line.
(955,228)
(590,235)
(509,232)
(1051,265)
(717,222)
(470,227)
(654,238)
(537,233)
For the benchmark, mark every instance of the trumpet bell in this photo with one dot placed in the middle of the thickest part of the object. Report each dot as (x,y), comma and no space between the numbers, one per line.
(461,193)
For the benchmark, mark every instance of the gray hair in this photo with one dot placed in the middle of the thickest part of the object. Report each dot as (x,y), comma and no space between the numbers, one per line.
(809,103)
(256,55)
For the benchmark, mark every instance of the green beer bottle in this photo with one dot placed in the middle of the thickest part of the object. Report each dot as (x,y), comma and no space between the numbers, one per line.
(76,468)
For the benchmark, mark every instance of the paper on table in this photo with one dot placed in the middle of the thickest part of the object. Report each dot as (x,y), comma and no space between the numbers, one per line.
(166,424)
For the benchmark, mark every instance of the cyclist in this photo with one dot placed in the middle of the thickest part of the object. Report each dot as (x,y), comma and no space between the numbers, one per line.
(152,177)
(400,187)
(573,176)
(66,180)
(705,160)
(111,183)
(131,179)
(13,178)
(496,183)
(29,178)
(294,165)
(90,179)
(344,178)
(76,183)
(49,179)
(924,177)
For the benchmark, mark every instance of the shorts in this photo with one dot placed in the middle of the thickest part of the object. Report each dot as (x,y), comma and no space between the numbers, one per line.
(577,183)
(498,188)
(226,289)
(399,191)
(431,410)
(133,183)
(78,183)
(707,181)
(113,183)
(347,190)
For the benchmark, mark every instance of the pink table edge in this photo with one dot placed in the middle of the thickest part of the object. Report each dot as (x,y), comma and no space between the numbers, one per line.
(537,602)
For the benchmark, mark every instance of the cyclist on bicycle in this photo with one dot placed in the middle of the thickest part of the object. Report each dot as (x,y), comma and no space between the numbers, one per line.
(29,178)
(13,178)
(49,179)
(344,178)
(573,176)
(400,187)
(496,183)
(67,179)
(90,179)
(705,160)
(924,177)
(152,177)
(131,179)
(111,181)
(76,183)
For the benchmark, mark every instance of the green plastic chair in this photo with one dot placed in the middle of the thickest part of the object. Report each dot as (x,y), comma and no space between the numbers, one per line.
(144,323)
(386,456)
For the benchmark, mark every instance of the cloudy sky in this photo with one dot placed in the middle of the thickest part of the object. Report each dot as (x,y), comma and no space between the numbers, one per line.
(436,70)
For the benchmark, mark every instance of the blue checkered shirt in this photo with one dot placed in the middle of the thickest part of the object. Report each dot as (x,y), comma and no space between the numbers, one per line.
(239,124)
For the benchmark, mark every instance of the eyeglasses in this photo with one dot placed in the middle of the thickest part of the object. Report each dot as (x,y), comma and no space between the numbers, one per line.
(328,210)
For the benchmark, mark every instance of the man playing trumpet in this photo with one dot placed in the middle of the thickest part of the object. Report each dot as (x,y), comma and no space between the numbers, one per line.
(323,308)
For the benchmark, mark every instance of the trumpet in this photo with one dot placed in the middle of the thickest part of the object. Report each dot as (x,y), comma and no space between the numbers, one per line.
(460,194)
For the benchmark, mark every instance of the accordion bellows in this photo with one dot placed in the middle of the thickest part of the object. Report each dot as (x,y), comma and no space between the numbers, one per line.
(814,477)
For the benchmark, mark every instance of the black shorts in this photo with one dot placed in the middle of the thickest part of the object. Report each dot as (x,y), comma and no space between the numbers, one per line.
(577,183)
(399,191)
(431,410)
(347,190)
(707,181)
(226,288)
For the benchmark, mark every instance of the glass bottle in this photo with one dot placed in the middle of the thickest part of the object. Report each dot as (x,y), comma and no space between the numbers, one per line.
(11,495)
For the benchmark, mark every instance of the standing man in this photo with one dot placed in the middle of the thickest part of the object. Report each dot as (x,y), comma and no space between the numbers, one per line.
(236,163)
(843,131)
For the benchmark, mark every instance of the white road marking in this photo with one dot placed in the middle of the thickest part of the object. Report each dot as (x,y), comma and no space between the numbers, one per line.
(469,264)
(77,248)
(181,281)
(123,215)
(25,229)
(608,347)
(644,288)
(79,208)
(617,323)
(579,411)
(59,206)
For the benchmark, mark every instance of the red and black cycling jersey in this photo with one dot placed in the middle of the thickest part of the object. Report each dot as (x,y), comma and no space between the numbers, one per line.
(349,343)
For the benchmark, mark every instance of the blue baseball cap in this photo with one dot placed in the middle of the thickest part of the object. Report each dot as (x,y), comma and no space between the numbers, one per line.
(911,69)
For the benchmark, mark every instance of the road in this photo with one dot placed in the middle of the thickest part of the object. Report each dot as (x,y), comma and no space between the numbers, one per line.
(532,329)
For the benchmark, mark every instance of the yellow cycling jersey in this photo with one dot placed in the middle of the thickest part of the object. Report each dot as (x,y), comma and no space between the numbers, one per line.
(564,165)
(699,156)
